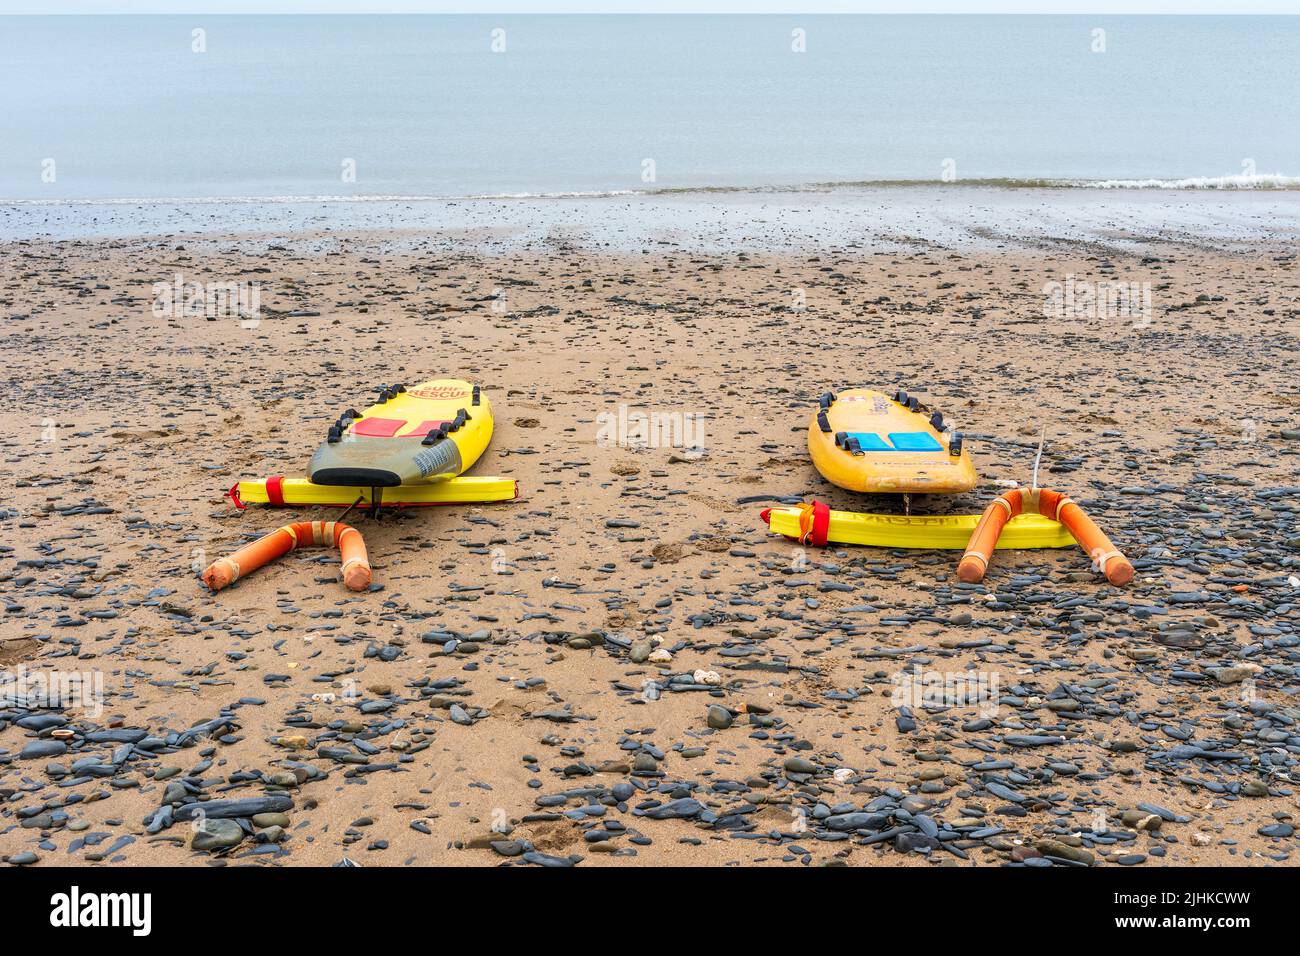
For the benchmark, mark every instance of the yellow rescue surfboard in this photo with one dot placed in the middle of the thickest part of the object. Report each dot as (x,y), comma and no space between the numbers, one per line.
(867,441)
(411,435)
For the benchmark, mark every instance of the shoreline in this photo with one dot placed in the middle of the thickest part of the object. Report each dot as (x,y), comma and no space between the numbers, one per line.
(1242,182)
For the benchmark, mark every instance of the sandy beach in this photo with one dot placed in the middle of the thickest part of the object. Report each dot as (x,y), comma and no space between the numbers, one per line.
(522,683)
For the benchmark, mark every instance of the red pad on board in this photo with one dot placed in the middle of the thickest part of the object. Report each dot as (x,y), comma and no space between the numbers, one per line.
(378,427)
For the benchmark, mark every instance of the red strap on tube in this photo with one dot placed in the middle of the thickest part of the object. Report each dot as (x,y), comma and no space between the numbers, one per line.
(814,524)
(275,491)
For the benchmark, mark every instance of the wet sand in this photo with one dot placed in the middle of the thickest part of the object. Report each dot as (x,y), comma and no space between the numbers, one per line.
(518,706)
(855,220)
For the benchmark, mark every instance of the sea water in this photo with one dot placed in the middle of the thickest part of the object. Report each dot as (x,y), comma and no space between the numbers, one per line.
(359,108)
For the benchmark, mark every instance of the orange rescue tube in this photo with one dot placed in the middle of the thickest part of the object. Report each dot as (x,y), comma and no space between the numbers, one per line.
(1093,540)
(352,549)
(984,538)
(1050,504)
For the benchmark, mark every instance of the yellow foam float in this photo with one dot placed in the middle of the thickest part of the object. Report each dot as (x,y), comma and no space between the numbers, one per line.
(816,524)
(278,491)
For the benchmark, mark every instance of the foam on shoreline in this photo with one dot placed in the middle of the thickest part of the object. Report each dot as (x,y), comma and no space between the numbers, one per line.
(1237,181)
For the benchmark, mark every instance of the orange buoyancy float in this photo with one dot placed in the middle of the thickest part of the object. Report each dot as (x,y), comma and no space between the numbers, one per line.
(1050,504)
(352,549)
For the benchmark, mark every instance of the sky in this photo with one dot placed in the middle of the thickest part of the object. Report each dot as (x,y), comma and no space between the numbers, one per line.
(649,6)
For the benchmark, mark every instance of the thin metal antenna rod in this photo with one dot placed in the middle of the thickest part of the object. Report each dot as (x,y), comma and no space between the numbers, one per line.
(1039,457)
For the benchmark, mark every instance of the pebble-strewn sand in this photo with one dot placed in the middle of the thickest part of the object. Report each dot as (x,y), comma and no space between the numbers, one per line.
(493,663)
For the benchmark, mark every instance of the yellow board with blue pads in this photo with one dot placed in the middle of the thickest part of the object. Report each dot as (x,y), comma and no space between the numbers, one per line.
(870,442)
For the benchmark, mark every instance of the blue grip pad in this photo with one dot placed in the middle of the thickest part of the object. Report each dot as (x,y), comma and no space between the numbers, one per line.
(914,441)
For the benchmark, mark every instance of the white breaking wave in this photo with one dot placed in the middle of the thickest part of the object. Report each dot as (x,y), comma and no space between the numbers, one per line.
(1237,181)
(1233,181)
